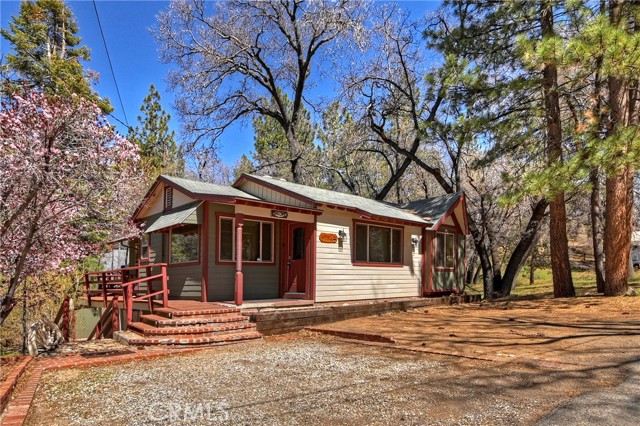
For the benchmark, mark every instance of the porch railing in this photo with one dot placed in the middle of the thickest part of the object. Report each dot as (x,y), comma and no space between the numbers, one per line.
(127,284)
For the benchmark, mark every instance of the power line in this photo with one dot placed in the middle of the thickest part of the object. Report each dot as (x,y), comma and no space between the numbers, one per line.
(95,7)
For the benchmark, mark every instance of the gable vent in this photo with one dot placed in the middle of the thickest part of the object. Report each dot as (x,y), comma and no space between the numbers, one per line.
(168,198)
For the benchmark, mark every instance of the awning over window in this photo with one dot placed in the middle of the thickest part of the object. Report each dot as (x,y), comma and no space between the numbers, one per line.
(187,214)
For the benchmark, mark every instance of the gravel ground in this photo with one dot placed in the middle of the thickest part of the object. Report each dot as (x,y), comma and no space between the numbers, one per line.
(306,379)
(619,405)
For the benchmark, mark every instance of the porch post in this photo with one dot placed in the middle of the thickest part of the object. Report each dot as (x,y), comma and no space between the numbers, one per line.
(239,275)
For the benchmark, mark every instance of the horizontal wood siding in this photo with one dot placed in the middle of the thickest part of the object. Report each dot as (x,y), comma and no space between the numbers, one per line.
(338,279)
(185,282)
(156,244)
(260,281)
(271,195)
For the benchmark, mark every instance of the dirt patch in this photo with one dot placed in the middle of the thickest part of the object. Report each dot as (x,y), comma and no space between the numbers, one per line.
(585,332)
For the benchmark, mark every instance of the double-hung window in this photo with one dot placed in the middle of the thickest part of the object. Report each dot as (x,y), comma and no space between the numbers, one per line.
(445,248)
(257,240)
(185,244)
(378,244)
(144,247)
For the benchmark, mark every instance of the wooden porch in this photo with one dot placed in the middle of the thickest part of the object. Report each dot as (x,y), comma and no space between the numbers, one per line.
(161,321)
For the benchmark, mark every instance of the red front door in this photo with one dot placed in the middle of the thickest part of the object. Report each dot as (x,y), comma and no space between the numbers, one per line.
(296,260)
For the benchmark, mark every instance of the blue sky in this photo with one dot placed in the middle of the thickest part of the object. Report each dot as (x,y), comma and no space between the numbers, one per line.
(134,55)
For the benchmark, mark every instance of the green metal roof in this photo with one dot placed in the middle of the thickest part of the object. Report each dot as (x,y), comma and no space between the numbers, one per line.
(199,188)
(325,196)
(433,209)
(186,213)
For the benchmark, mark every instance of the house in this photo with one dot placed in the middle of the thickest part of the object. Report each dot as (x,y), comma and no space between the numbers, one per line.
(266,238)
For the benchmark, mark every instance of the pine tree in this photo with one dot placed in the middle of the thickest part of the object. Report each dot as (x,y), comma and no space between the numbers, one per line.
(273,154)
(158,149)
(47,51)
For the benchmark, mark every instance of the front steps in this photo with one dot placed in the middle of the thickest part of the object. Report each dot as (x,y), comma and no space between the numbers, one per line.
(194,326)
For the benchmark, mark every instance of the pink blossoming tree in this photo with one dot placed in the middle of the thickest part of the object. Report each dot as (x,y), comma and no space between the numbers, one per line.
(67,184)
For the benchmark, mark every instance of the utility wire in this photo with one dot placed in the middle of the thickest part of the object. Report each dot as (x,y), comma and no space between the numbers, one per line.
(95,7)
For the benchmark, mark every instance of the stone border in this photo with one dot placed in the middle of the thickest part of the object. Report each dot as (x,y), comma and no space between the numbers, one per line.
(367,337)
(11,380)
(282,321)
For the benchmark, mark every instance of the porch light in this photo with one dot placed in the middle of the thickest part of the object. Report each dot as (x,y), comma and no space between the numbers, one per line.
(342,234)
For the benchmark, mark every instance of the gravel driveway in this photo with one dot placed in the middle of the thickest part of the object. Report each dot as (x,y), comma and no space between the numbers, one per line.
(307,379)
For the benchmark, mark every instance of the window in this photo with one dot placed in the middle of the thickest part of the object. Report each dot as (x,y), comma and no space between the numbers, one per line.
(444,250)
(257,240)
(378,244)
(144,247)
(298,244)
(185,244)
(168,198)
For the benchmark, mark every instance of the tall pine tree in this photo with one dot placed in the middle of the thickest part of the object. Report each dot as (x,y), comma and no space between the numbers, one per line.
(47,53)
(159,151)
(273,153)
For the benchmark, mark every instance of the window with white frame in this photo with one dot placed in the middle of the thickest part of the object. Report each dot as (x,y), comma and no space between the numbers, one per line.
(185,244)
(445,248)
(257,240)
(378,244)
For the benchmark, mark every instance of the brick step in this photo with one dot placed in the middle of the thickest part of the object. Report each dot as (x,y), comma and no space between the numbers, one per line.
(150,330)
(160,321)
(187,339)
(196,313)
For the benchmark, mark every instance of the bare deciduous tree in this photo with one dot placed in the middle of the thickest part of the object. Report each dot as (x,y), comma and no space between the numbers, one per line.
(231,57)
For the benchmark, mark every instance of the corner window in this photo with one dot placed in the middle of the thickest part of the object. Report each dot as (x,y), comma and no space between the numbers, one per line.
(444,250)
(378,244)
(257,240)
(185,244)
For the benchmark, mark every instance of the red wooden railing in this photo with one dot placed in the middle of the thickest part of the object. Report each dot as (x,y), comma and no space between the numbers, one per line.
(63,318)
(108,322)
(126,283)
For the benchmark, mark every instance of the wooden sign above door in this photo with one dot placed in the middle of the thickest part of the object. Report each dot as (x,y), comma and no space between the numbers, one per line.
(328,238)
(280,214)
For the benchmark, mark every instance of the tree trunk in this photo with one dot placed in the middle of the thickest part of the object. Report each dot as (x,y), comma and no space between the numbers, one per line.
(619,187)
(560,265)
(522,250)
(476,275)
(617,241)
(596,230)
(471,268)
(495,264)
(532,268)
(485,263)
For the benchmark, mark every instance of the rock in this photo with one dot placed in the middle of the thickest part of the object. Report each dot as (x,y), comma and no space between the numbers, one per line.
(44,336)
(631,292)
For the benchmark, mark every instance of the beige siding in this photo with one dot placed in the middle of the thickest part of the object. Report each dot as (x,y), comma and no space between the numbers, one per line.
(155,204)
(260,281)
(338,279)
(266,213)
(271,195)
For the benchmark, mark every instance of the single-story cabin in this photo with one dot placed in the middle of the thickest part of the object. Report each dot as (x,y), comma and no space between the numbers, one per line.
(266,238)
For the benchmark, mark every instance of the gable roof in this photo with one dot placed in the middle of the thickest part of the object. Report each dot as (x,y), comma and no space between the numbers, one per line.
(334,198)
(186,213)
(199,189)
(433,209)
